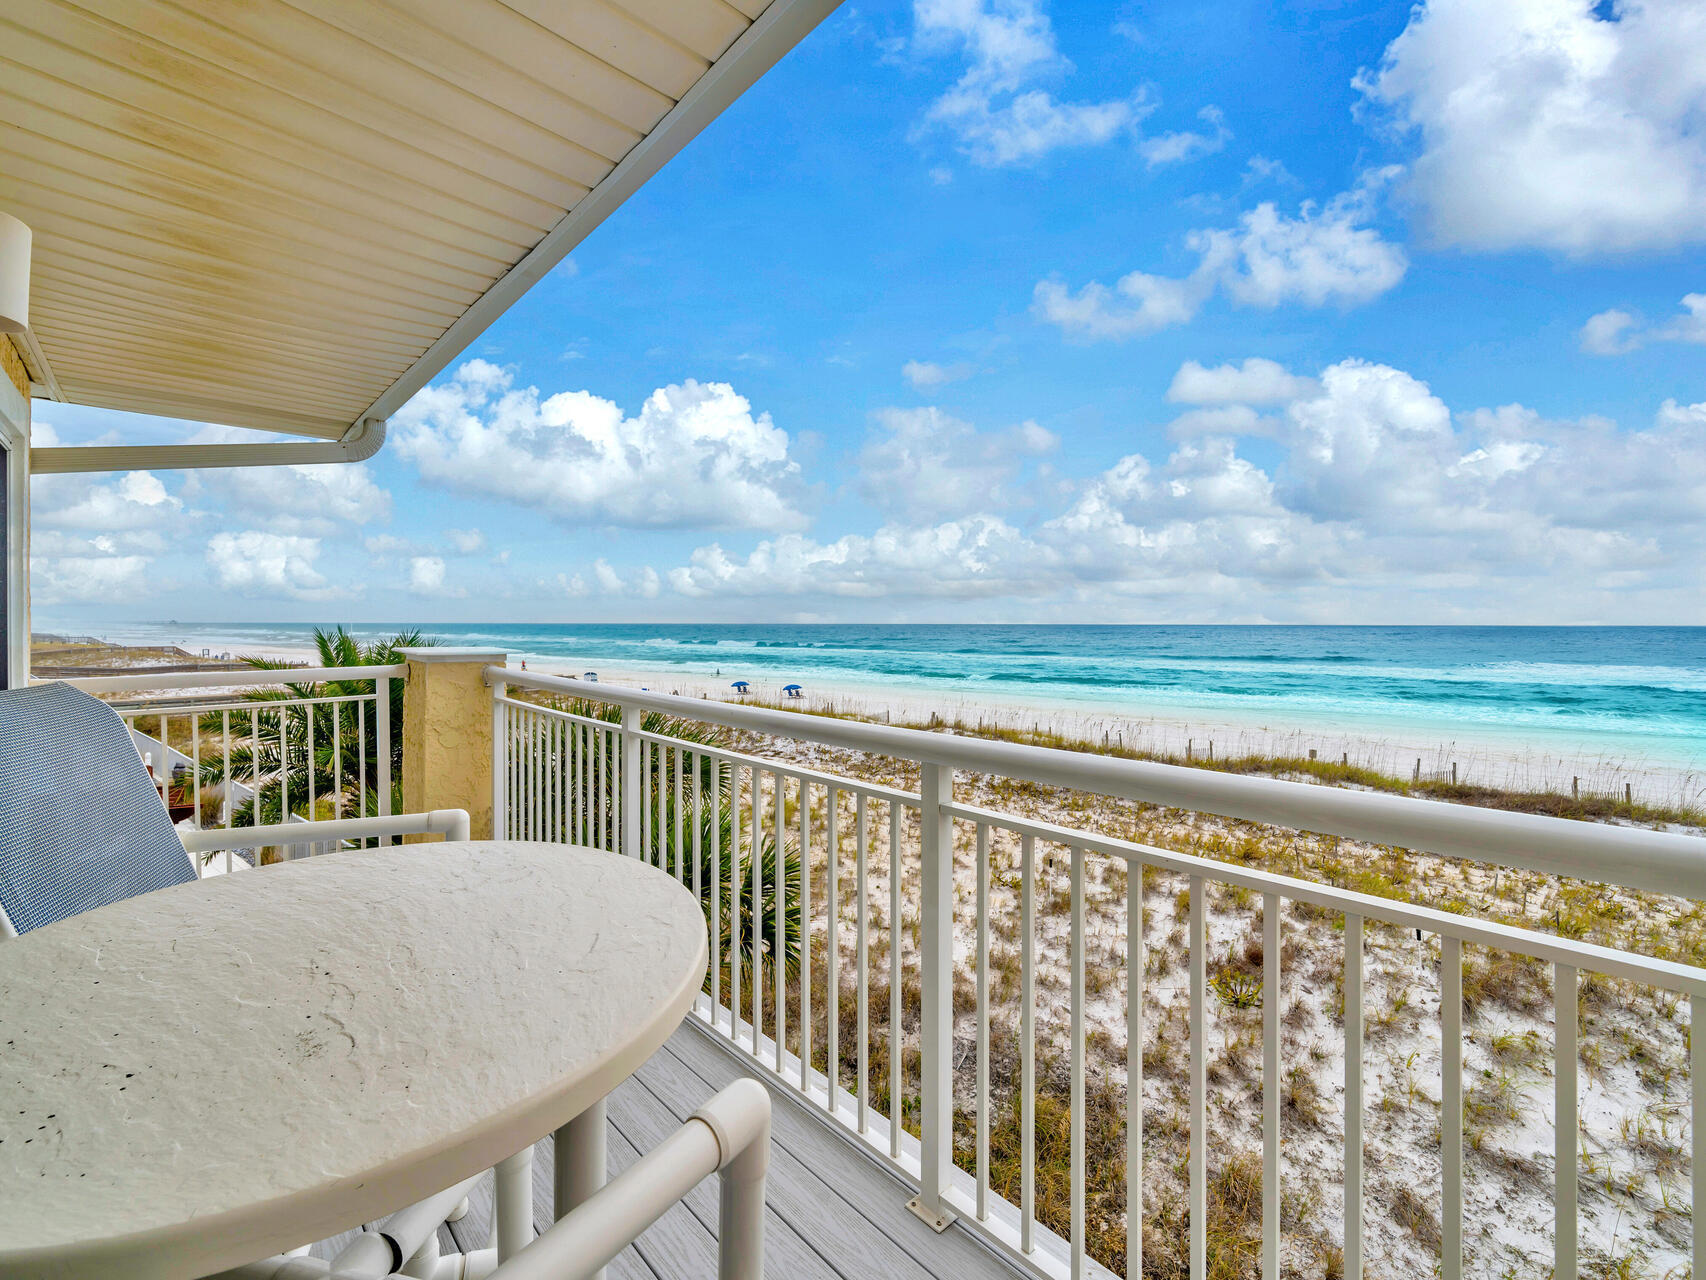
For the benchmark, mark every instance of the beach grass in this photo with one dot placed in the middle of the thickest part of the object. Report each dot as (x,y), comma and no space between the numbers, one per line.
(1584,805)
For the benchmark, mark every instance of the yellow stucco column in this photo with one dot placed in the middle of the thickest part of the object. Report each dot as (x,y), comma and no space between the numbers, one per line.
(447,734)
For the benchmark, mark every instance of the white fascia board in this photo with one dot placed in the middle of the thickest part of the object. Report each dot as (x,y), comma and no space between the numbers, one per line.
(40,371)
(778,29)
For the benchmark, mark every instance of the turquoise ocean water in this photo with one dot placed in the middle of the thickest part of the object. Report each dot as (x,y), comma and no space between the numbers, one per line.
(1631,692)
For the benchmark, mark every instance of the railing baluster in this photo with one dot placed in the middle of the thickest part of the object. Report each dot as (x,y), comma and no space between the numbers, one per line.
(832,1014)
(680,850)
(696,765)
(1271,930)
(805,802)
(308,750)
(517,798)
(1078,1063)
(651,814)
(936,988)
(361,761)
(1564,1115)
(503,756)
(195,770)
(566,783)
(1697,1122)
(982,1021)
(1451,1106)
(284,763)
(1134,965)
(382,714)
(897,1076)
(228,804)
(862,960)
(779,952)
(736,893)
(1199,1084)
(1353,1096)
(626,811)
(255,818)
(716,870)
(1027,1046)
(337,760)
(757,906)
(536,775)
(606,768)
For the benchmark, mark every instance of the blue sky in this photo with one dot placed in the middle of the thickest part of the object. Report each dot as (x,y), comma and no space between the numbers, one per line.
(1005,311)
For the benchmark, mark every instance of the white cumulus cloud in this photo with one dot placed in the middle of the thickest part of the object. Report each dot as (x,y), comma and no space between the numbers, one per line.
(929,464)
(1376,493)
(925,375)
(1324,255)
(1609,333)
(694,456)
(1554,124)
(254,562)
(71,568)
(995,110)
(1254,382)
(427,578)
(1618,331)
(135,500)
(315,500)
(1177,147)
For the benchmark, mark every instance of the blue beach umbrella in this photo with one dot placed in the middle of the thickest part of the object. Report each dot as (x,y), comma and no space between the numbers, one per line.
(792,690)
(740,686)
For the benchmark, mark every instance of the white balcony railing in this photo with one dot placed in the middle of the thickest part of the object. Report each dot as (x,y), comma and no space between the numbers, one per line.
(254,750)
(718,819)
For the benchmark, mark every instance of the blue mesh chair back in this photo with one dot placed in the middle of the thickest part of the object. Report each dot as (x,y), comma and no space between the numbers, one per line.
(81,824)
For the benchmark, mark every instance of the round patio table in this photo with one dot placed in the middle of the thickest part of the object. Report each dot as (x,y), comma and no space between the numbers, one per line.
(213,1073)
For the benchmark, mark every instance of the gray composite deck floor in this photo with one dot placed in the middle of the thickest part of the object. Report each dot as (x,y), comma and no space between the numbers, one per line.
(833,1211)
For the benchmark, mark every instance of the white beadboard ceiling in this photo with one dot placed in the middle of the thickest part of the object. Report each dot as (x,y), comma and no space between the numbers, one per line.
(291,214)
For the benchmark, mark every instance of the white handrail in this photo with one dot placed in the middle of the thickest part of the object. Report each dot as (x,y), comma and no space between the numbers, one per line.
(1654,861)
(244,678)
(452,824)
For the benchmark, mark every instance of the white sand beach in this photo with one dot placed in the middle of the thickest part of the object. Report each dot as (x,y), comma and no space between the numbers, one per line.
(1481,757)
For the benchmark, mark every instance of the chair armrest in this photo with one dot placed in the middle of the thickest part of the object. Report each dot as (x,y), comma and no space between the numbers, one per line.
(451,823)
(728,1136)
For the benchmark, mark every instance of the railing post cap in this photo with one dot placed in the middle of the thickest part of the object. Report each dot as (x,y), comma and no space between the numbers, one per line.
(440,653)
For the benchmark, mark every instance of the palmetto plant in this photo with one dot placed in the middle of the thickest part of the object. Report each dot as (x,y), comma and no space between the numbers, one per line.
(719,825)
(323,749)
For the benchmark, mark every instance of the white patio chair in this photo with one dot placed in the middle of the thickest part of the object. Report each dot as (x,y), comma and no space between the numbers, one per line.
(728,1136)
(81,824)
